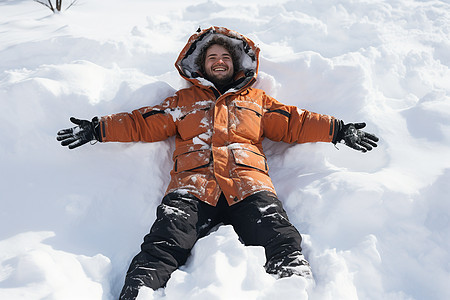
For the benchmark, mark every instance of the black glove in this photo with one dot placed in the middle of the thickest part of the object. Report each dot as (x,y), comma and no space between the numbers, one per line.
(352,136)
(74,137)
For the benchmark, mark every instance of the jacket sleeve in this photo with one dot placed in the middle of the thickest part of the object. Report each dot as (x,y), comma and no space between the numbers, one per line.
(293,125)
(147,124)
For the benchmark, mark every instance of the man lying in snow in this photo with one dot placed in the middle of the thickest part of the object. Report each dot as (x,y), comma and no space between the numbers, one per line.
(220,173)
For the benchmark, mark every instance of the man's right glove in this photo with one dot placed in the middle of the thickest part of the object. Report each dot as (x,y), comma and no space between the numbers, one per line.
(351,135)
(84,132)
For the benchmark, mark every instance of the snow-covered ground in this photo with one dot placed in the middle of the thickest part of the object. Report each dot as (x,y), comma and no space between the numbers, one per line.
(375,225)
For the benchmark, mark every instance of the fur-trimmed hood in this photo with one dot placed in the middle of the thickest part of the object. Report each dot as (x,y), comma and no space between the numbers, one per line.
(247,53)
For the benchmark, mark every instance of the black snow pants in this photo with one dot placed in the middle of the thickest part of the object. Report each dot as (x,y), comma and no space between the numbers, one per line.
(259,220)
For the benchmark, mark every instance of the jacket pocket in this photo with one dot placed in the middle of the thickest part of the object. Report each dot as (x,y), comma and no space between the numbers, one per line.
(195,120)
(192,160)
(245,119)
(250,159)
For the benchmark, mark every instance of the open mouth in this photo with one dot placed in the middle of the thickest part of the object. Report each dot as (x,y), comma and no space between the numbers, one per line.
(219,69)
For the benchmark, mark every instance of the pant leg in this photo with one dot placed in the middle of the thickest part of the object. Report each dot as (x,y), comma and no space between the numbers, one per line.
(260,220)
(181,221)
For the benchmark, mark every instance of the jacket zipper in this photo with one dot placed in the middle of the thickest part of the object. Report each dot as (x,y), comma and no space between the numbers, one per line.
(189,112)
(246,108)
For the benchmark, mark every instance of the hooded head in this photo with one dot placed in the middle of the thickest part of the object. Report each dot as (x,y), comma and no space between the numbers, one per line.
(191,61)
(218,61)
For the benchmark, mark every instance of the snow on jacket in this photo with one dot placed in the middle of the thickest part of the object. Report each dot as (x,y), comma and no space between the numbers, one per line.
(219,136)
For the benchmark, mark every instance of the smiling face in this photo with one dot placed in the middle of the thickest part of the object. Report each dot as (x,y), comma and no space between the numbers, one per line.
(218,65)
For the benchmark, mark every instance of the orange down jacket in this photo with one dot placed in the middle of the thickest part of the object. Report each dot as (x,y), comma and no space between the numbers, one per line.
(218,136)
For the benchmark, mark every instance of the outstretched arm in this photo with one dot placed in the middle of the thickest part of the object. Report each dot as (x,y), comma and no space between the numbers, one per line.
(147,124)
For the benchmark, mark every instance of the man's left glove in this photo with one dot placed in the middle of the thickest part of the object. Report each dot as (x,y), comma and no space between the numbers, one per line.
(352,136)
(84,132)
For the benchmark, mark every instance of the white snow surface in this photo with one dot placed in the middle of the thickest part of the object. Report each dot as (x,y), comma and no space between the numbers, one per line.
(375,225)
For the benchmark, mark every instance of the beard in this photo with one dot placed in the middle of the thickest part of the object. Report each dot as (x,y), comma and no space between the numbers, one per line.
(220,80)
